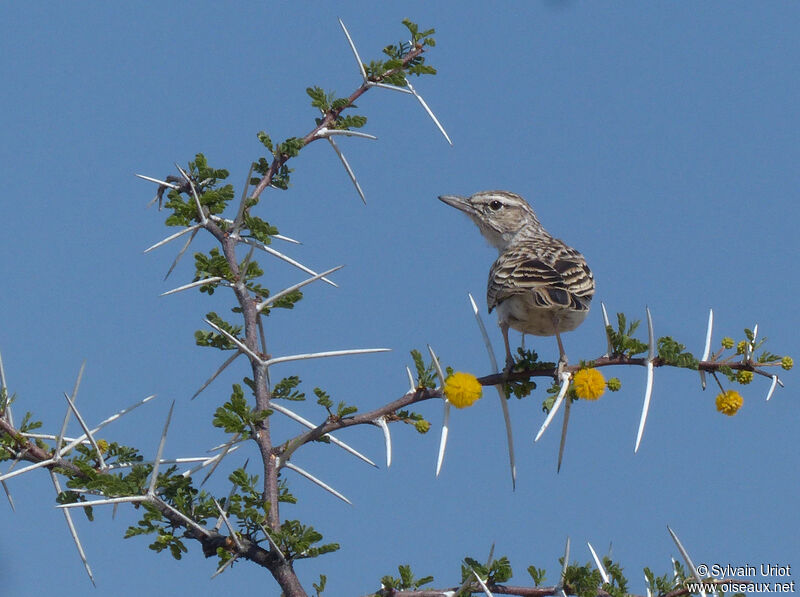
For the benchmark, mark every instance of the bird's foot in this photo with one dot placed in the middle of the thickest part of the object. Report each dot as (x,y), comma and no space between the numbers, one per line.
(562,365)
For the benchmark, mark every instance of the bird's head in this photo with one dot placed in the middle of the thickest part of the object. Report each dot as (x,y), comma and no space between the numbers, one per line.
(500,215)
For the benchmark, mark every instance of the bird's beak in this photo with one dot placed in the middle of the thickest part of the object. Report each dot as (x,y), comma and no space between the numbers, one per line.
(460,203)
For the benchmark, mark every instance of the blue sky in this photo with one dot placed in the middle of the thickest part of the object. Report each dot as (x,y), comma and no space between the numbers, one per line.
(659,139)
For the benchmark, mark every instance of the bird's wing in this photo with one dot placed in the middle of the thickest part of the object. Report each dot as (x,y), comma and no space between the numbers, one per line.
(555,274)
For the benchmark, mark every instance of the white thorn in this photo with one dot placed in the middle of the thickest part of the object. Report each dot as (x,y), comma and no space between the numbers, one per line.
(486,590)
(412,385)
(72,531)
(320,355)
(63,430)
(687,559)
(162,183)
(203,282)
(429,111)
(151,490)
(133,499)
(242,346)
(565,376)
(287,239)
(606,325)
(438,367)
(274,545)
(171,237)
(20,471)
(325,133)
(306,423)
(180,515)
(86,430)
(347,168)
(216,373)
(648,392)
(240,212)
(599,564)
(707,349)
(222,568)
(387,439)
(563,441)
(500,391)
(269,300)
(651,344)
(200,212)
(181,252)
(313,479)
(8,495)
(355,52)
(217,460)
(391,87)
(289,260)
(231,530)
(772,386)
(443,439)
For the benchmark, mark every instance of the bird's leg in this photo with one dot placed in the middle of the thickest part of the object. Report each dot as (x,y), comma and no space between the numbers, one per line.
(562,356)
(509,359)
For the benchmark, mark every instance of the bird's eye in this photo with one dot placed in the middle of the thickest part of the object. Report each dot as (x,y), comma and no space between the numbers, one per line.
(495,205)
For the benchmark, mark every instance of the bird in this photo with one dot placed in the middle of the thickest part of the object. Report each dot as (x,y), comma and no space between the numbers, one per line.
(539,284)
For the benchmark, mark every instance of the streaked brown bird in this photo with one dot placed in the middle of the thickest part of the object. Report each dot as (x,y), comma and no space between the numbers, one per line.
(539,284)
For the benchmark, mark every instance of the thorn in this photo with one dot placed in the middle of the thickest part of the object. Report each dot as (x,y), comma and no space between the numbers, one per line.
(289,260)
(355,52)
(203,282)
(181,252)
(313,479)
(88,433)
(430,112)
(413,387)
(772,387)
(606,325)
(500,391)
(216,373)
(270,300)
(151,491)
(563,441)
(73,531)
(162,183)
(347,168)
(648,392)
(443,439)
(325,133)
(707,348)
(242,346)
(599,564)
(686,558)
(565,377)
(171,237)
(306,423)
(387,439)
(319,355)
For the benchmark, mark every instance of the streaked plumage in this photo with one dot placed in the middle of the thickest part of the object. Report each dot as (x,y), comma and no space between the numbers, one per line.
(538,284)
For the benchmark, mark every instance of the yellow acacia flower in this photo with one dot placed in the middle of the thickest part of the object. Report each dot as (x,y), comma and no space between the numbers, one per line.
(729,403)
(744,377)
(589,384)
(787,363)
(462,389)
(727,342)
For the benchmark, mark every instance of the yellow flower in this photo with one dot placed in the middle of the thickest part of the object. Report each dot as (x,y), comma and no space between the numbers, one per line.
(727,342)
(744,377)
(102,445)
(741,347)
(787,363)
(728,403)
(589,384)
(462,389)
